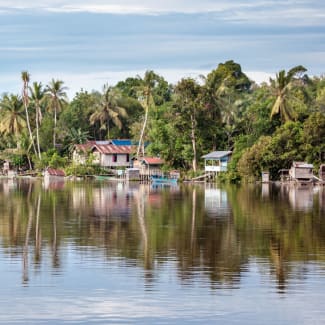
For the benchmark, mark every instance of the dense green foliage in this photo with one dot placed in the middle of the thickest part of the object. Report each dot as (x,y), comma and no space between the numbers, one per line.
(266,126)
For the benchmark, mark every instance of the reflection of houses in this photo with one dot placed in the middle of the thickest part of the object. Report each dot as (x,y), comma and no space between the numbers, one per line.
(149,165)
(217,161)
(216,203)
(322,172)
(54,178)
(106,202)
(301,198)
(104,153)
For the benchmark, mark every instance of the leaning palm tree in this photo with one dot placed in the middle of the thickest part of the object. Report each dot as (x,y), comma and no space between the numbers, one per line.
(37,97)
(57,97)
(283,85)
(25,76)
(108,110)
(147,101)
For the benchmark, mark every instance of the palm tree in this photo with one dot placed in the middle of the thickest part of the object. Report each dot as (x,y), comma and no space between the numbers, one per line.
(57,97)
(12,120)
(283,85)
(37,96)
(147,101)
(108,109)
(25,76)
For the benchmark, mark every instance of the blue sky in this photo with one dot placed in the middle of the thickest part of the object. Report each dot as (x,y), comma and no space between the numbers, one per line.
(89,43)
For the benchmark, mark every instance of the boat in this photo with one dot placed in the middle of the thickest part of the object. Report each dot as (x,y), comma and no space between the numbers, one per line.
(161,179)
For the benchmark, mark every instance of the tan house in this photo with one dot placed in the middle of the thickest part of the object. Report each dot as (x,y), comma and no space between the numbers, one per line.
(103,153)
(301,171)
(149,165)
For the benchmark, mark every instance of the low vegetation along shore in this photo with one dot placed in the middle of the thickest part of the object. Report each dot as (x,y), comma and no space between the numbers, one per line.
(266,126)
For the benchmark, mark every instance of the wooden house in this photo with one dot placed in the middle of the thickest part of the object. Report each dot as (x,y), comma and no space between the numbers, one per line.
(104,154)
(301,171)
(149,165)
(217,161)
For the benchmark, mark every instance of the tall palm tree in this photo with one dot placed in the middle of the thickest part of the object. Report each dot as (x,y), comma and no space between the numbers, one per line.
(282,86)
(12,120)
(147,101)
(108,110)
(57,97)
(25,76)
(37,95)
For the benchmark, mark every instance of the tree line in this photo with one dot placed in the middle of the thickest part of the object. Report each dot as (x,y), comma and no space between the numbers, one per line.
(266,126)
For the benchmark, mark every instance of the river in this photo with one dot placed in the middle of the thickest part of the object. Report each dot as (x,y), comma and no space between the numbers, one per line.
(119,253)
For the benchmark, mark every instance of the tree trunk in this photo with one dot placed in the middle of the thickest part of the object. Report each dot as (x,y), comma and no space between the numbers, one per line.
(54,131)
(28,126)
(143,128)
(37,133)
(193,143)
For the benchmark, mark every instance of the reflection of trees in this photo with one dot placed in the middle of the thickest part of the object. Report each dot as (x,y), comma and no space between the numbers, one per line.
(270,229)
(150,227)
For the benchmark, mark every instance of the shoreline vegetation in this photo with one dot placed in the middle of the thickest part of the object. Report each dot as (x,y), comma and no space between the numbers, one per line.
(266,126)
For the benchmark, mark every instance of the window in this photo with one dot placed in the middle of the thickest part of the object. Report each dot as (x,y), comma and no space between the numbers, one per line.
(127,158)
(115,157)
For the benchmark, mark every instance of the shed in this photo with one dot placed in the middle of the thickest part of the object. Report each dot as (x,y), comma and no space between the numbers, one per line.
(301,171)
(217,161)
(149,165)
(265,177)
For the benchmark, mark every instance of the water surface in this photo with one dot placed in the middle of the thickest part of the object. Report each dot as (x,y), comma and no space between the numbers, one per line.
(117,253)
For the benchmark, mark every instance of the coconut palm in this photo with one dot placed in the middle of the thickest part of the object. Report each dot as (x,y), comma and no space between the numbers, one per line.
(108,110)
(37,95)
(25,76)
(12,120)
(57,98)
(147,101)
(282,86)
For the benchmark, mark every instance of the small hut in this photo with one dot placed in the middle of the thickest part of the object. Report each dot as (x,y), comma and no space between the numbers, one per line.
(301,171)
(216,161)
(53,174)
(265,177)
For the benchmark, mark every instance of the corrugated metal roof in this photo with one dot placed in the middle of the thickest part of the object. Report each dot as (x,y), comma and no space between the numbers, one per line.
(217,154)
(300,164)
(112,149)
(153,160)
(122,142)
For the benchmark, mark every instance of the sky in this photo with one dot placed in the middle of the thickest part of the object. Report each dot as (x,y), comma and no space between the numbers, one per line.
(90,43)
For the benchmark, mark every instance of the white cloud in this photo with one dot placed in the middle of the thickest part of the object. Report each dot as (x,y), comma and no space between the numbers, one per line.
(95,81)
(251,10)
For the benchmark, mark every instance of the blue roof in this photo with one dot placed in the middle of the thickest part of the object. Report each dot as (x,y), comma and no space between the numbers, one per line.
(217,155)
(122,142)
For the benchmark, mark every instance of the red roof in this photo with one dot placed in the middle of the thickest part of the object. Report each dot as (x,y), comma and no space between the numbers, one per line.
(104,148)
(112,149)
(153,160)
(55,172)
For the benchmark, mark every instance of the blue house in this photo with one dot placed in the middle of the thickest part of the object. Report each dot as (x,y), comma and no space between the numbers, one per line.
(217,161)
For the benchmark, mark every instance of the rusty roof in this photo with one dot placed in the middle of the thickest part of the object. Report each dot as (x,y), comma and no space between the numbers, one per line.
(112,149)
(153,160)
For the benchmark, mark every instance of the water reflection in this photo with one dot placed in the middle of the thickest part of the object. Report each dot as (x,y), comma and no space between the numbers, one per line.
(216,202)
(207,232)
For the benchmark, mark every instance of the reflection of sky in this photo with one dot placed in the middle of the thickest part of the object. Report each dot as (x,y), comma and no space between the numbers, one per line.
(89,43)
(88,290)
